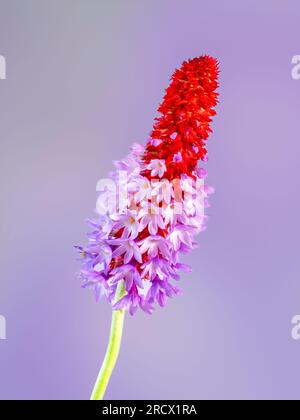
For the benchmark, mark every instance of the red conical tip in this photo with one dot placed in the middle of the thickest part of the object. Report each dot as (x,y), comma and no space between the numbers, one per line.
(179,135)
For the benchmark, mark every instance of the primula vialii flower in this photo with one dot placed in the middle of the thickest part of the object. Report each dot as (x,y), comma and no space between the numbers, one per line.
(152,207)
(140,241)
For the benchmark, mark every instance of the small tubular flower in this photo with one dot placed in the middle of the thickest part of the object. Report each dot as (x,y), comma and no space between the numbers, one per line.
(127,248)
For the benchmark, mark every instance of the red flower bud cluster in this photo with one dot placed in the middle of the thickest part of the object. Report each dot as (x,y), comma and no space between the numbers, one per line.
(179,135)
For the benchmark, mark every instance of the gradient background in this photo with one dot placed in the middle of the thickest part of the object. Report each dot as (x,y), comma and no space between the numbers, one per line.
(84,81)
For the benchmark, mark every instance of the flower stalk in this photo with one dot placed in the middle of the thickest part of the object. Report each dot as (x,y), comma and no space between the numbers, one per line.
(113,348)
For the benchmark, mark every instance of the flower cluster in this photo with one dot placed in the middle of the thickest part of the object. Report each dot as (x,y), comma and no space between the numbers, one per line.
(154,204)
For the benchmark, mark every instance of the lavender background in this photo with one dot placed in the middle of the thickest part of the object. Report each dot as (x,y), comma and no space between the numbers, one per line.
(84,81)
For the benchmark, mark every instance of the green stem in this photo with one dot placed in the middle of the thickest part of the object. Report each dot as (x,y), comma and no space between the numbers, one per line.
(113,348)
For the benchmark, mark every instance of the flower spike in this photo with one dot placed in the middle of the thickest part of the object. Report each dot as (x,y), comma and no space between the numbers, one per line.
(152,207)
(140,232)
